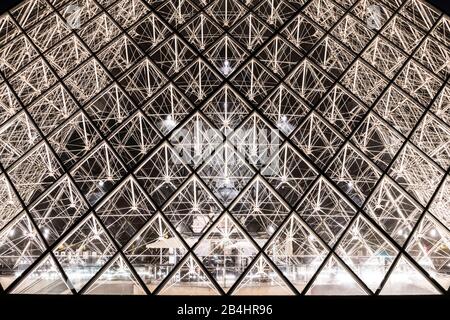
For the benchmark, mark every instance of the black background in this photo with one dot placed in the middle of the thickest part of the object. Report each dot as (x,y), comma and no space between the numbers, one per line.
(7,4)
(444,5)
(162,308)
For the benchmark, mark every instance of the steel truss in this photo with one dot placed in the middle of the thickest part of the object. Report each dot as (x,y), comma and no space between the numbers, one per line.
(225,147)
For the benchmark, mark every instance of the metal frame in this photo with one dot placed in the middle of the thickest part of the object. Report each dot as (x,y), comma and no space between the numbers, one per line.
(112,138)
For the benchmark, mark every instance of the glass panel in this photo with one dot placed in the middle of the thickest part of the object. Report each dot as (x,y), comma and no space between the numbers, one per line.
(44,279)
(334,279)
(116,279)
(189,279)
(405,279)
(225,251)
(262,279)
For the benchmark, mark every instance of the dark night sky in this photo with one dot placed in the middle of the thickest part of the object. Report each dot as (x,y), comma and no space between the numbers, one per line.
(444,5)
(6,4)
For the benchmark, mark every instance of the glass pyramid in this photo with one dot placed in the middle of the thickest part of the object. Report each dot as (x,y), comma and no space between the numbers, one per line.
(233,147)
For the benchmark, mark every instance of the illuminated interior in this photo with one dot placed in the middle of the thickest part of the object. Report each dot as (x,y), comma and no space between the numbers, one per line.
(225,147)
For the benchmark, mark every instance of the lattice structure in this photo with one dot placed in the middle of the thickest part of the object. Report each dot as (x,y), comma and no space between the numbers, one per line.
(216,147)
